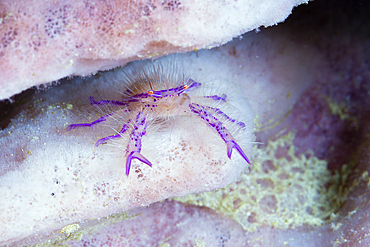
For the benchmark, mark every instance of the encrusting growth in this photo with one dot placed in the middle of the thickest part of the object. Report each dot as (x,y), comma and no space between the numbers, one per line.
(163,103)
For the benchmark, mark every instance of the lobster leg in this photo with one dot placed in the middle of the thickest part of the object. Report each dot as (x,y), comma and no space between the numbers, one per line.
(205,114)
(119,134)
(101,119)
(134,144)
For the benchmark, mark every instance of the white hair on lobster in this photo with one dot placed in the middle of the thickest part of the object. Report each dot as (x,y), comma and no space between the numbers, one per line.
(156,93)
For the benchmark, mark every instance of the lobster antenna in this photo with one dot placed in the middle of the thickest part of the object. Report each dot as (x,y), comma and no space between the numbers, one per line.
(150,84)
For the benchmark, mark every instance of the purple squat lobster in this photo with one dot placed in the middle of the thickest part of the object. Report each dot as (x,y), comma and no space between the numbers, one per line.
(168,102)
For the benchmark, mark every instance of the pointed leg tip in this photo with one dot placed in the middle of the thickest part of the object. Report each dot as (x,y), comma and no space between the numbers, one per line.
(128,163)
(100,141)
(230,146)
(233,144)
(136,155)
(229,155)
(127,172)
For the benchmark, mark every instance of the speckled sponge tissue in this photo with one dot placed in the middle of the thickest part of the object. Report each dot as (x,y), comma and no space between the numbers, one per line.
(261,141)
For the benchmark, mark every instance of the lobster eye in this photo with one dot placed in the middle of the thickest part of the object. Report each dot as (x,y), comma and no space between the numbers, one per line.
(150,92)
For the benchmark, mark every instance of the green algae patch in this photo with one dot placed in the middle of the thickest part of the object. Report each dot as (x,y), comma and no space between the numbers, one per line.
(76,231)
(283,190)
(340,109)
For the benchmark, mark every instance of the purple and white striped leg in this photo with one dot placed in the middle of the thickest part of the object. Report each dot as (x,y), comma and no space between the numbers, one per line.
(134,144)
(218,111)
(221,113)
(106,102)
(205,114)
(119,134)
(101,119)
(217,98)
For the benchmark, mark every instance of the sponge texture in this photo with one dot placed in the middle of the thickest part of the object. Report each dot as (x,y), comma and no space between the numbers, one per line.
(45,41)
(66,179)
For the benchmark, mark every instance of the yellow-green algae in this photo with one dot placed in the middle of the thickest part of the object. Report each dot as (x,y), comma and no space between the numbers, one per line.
(200,243)
(75,231)
(283,190)
(340,109)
